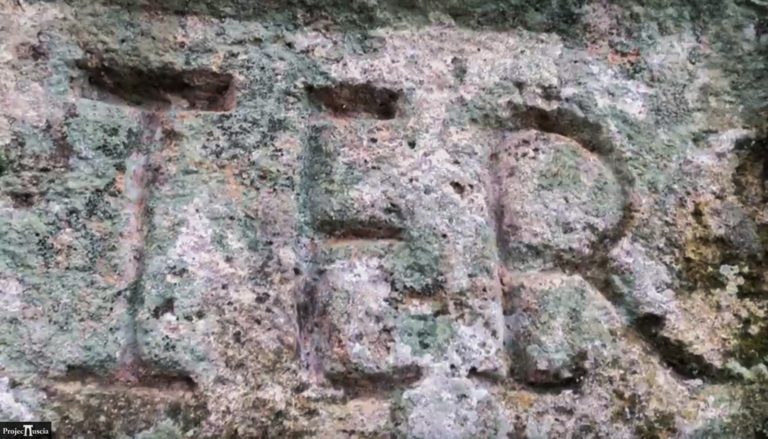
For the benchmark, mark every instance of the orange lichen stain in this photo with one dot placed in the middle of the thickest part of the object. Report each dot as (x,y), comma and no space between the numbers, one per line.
(127,374)
(216,61)
(106,273)
(625,59)
(234,188)
(186,115)
(120,182)
(596,49)
(523,399)
(63,245)
(288,143)
(170,148)
(98,227)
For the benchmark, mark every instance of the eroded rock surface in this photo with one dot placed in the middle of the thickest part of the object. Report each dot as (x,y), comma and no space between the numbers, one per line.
(559,326)
(449,219)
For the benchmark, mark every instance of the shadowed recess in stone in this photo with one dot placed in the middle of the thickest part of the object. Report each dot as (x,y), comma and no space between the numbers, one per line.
(749,237)
(674,353)
(591,136)
(572,383)
(362,231)
(751,175)
(563,121)
(146,378)
(164,308)
(99,408)
(476,14)
(357,100)
(22,199)
(360,385)
(157,90)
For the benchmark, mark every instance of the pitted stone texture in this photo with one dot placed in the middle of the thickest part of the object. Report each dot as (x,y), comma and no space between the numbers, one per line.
(707,251)
(366,416)
(359,326)
(63,251)
(229,234)
(349,190)
(558,327)
(19,404)
(356,298)
(554,199)
(643,283)
(368,185)
(205,298)
(183,276)
(432,153)
(208,311)
(451,408)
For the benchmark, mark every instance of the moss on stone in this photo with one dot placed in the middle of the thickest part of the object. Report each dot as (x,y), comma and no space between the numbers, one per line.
(752,347)
(163,430)
(5,164)
(704,253)
(563,172)
(749,419)
(658,426)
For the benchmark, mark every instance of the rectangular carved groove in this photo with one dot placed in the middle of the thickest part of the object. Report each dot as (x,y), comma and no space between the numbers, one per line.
(357,100)
(359,386)
(156,90)
(368,232)
(166,381)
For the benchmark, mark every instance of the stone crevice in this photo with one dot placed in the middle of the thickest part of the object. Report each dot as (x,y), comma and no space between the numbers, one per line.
(161,89)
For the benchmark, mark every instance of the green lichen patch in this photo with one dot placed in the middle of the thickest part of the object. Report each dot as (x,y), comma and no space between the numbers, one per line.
(112,131)
(660,426)
(415,266)
(563,172)
(704,252)
(4,164)
(425,334)
(748,415)
(752,345)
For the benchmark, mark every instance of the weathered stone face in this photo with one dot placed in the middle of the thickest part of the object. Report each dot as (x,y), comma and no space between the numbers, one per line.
(554,200)
(448,407)
(559,326)
(454,219)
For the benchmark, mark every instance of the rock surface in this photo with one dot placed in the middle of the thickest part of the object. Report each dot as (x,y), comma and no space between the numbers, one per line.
(558,327)
(384,218)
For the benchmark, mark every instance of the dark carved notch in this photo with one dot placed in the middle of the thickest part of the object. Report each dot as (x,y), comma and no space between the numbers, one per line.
(157,90)
(357,100)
